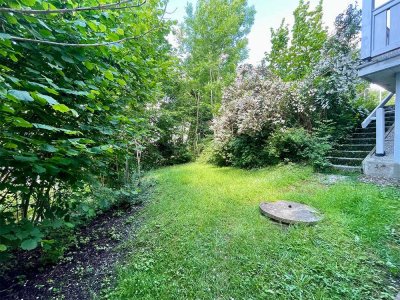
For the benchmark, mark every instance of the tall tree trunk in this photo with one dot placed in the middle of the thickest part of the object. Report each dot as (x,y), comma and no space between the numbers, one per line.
(196,138)
(26,200)
(138,160)
(211,93)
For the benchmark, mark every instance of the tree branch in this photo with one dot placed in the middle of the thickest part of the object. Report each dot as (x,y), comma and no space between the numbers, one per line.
(111,6)
(46,42)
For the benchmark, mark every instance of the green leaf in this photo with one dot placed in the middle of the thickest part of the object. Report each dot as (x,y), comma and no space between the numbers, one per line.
(21,95)
(90,66)
(61,108)
(25,158)
(120,31)
(49,148)
(3,248)
(121,82)
(80,23)
(48,99)
(51,91)
(92,25)
(113,37)
(13,57)
(102,27)
(7,108)
(28,2)
(74,113)
(67,59)
(44,126)
(19,122)
(109,75)
(38,169)
(10,146)
(35,232)
(5,36)
(29,244)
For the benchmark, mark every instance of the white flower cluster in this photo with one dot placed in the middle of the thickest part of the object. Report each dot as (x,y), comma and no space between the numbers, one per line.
(256,100)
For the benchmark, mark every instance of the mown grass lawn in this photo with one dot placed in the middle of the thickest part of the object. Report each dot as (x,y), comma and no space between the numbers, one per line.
(204,238)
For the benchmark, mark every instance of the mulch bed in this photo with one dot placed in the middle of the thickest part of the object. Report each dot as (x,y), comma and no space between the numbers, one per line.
(85,270)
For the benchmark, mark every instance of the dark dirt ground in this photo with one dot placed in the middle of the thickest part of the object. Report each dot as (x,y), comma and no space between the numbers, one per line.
(86,269)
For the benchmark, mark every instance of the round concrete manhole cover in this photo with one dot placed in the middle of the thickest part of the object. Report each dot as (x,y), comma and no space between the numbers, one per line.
(290,212)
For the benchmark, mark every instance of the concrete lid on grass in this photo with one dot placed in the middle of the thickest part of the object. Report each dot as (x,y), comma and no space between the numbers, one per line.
(290,212)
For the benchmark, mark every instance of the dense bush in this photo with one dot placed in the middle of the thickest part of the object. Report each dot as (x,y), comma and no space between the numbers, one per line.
(74,95)
(298,145)
(282,145)
(255,103)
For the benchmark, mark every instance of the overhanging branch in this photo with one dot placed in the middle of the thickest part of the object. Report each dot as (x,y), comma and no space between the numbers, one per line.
(111,6)
(46,42)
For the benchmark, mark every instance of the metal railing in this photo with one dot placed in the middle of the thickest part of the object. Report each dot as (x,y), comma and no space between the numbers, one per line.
(378,114)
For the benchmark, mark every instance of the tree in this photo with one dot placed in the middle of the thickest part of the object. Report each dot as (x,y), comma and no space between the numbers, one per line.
(213,42)
(278,56)
(332,90)
(295,61)
(75,82)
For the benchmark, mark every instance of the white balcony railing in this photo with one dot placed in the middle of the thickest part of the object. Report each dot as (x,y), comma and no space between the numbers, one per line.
(380,28)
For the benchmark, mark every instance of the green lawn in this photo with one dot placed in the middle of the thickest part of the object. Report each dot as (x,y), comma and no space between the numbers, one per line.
(203,238)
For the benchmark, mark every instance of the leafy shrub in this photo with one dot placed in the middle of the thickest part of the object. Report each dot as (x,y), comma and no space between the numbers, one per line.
(288,144)
(297,145)
(71,114)
(284,144)
(81,206)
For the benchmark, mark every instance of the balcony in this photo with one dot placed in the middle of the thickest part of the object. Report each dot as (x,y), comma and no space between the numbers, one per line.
(380,48)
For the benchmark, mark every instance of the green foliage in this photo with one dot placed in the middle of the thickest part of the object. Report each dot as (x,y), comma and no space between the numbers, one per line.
(277,58)
(283,145)
(244,152)
(297,145)
(212,43)
(294,60)
(73,117)
(332,91)
(172,145)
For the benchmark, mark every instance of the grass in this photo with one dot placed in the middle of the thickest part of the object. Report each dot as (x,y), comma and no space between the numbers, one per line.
(204,238)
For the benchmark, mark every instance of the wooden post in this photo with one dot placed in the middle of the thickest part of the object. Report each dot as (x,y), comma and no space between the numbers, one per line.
(397,122)
(366,43)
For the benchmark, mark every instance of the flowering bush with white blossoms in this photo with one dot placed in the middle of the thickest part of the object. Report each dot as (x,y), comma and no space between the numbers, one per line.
(256,100)
(260,110)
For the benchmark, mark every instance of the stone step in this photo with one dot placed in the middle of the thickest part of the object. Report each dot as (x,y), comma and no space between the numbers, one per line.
(362,140)
(372,128)
(345,161)
(356,147)
(350,153)
(352,169)
(359,135)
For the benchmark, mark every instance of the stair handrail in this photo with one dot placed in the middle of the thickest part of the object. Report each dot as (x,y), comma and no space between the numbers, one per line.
(372,116)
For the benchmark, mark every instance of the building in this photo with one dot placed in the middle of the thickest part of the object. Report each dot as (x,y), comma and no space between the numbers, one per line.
(380,53)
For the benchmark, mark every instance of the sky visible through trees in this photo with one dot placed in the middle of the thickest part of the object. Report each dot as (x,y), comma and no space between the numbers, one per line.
(269,14)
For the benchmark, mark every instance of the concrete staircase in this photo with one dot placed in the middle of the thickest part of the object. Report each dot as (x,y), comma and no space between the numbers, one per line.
(349,154)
